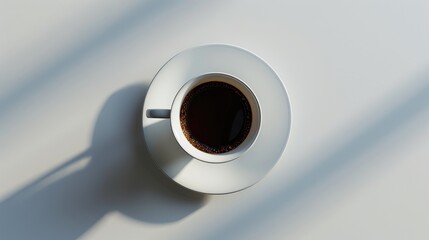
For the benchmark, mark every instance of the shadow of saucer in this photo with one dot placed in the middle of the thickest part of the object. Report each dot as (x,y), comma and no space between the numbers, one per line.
(114,175)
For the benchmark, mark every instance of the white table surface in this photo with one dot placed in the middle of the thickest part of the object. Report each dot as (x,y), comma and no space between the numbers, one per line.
(73,76)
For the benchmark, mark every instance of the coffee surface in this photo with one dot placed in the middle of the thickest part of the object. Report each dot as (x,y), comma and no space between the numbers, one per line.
(215,117)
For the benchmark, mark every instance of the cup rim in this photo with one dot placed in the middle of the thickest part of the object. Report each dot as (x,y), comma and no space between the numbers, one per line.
(218,157)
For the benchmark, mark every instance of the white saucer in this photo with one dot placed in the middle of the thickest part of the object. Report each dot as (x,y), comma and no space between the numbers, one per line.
(255,163)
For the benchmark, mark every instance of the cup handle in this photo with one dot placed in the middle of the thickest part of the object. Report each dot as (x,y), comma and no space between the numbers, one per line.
(158,113)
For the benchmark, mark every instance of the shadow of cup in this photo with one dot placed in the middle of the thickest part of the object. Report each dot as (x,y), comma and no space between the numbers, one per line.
(114,174)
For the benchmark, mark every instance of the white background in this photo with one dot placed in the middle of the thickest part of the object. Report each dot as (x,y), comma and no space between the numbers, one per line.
(73,76)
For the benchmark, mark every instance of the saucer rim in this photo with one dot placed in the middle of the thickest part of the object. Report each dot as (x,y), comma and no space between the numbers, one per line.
(288,107)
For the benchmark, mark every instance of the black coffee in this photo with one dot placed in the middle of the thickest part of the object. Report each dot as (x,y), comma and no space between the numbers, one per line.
(215,117)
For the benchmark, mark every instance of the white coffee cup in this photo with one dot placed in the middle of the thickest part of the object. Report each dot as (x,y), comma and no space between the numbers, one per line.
(174,115)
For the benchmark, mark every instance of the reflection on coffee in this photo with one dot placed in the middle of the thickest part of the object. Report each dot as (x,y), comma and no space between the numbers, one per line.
(215,117)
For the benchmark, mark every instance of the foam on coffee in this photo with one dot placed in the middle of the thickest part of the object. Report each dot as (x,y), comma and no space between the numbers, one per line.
(215,117)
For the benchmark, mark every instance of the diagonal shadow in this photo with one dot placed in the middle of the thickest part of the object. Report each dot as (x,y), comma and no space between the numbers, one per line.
(346,155)
(142,13)
(66,202)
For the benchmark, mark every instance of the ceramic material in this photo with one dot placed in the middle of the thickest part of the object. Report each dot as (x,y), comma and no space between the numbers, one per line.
(232,171)
(176,125)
